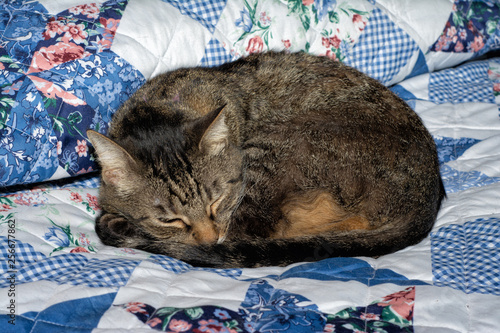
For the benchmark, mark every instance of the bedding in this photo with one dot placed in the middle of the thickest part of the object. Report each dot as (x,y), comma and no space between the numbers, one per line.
(66,66)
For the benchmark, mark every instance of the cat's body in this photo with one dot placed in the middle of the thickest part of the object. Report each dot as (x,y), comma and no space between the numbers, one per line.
(273,159)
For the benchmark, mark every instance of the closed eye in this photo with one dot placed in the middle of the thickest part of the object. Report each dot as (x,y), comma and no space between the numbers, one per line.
(214,206)
(176,223)
(235,180)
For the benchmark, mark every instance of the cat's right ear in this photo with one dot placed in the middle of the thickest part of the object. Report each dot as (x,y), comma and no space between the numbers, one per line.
(115,162)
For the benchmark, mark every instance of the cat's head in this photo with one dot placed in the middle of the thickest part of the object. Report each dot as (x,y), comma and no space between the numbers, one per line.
(178,182)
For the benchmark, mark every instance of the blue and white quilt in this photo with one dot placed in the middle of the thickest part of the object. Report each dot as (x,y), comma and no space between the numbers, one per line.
(66,66)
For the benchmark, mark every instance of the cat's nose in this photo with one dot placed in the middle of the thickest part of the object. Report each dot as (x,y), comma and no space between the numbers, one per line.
(205,232)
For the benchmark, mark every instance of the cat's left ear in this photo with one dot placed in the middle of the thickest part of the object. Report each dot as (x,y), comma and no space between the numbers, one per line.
(216,133)
(116,163)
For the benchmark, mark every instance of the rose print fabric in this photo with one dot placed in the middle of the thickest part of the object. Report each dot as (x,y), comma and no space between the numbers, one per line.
(394,313)
(59,78)
(472,27)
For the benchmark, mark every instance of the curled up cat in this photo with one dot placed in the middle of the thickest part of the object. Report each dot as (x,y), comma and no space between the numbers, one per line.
(269,160)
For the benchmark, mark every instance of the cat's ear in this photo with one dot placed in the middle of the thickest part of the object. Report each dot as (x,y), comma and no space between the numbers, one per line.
(216,133)
(115,162)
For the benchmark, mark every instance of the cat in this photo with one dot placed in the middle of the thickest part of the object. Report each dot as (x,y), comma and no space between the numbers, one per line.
(273,159)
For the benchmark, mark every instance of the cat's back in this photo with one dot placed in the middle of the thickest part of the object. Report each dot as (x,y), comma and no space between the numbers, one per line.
(269,86)
(280,87)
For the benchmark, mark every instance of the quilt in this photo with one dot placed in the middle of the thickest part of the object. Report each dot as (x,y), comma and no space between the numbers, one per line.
(67,65)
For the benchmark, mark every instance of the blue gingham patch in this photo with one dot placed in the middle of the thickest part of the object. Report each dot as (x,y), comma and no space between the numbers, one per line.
(178,267)
(87,181)
(383,49)
(215,54)
(170,264)
(205,12)
(468,83)
(77,269)
(104,273)
(19,253)
(466,257)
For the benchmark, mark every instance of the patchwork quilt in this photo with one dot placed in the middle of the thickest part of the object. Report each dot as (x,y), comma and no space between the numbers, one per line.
(67,65)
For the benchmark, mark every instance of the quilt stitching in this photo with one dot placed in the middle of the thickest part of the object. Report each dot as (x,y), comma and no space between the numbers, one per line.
(455,180)
(383,49)
(465,257)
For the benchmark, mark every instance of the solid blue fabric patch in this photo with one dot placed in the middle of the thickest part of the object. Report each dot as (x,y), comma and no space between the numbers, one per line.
(79,315)
(404,94)
(22,323)
(346,269)
(420,66)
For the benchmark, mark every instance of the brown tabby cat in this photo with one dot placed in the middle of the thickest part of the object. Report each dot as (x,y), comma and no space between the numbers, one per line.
(272,159)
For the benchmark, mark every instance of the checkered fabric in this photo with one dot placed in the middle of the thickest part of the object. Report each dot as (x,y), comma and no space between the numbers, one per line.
(205,12)
(468,83)
(178,267)
(77,269)
(170,264)
(467,257)
(20,253)
(87,181)
(215,54)
(383,49)
(104,273)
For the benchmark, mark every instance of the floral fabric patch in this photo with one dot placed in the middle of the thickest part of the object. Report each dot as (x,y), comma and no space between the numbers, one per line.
(58,78)
(336,26)
(199,319)
(472,26)
(266,309)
